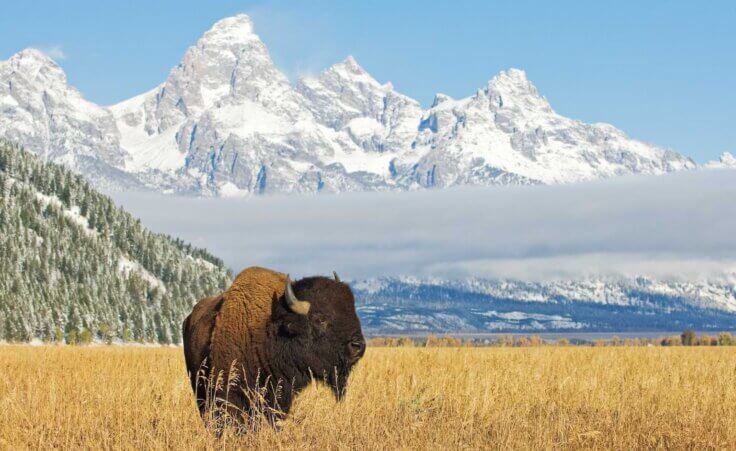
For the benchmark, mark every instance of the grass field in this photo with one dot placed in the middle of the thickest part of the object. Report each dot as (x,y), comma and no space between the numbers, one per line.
(399,398)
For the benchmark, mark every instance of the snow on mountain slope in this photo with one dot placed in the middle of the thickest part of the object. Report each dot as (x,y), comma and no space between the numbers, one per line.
(143,150)
(74,260)
(227,122)
(126,266)
(40,110)
(230,123)
(510,127)
(410,305)
(717,294)
(726,161)
(345,97)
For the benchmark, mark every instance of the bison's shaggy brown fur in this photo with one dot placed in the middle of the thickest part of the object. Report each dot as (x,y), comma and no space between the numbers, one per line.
(248,334)
(241,326)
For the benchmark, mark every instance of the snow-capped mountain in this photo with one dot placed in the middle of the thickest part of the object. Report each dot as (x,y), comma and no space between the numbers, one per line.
(227,122)
(726,161)
(346,98)
(40,110)
(414,305)
(508,126)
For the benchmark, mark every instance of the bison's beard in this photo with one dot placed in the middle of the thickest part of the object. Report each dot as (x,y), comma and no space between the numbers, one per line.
(337,379)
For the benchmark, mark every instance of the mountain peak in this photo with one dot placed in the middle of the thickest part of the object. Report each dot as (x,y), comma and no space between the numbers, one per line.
(512,80)
(351,64)
(33,54)
(512,88)
(228,61)
(31,57)
(235,29)
(515,74)
(346,72)
(440,98)
(33,63)
(349,68)
(728,159)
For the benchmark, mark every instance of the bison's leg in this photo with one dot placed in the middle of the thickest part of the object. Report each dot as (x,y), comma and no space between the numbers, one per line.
(201,385)
(197,368)
(197,331)
(278,396)
(253,403)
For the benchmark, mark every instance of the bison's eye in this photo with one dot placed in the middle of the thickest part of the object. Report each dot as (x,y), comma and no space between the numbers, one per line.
(357,348)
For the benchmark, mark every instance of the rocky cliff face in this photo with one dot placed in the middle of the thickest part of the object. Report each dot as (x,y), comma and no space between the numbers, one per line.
(227,122)
(40,110)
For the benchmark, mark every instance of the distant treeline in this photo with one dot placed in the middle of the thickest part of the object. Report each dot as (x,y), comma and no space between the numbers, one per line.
(686,338)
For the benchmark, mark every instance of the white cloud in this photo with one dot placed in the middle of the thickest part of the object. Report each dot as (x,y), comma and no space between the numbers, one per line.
(657,265)
(680,225)
(55,52)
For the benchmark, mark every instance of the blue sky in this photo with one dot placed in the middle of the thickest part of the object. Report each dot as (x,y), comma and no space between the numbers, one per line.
(663,71)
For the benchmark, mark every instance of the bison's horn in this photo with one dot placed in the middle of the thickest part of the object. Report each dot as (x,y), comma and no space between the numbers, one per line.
(337,278)
(294,304)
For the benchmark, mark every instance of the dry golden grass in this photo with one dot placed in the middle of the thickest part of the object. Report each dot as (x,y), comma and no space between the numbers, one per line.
(399,398)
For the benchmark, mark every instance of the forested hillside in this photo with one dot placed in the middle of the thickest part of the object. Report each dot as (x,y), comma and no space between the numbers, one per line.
(75,267)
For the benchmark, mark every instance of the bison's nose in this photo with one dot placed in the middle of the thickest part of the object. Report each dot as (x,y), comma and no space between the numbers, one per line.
(357,349)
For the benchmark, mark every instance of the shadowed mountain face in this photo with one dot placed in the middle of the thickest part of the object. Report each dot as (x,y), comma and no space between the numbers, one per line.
(227,122)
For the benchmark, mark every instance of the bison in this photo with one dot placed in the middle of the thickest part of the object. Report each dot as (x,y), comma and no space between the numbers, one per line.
(266,338)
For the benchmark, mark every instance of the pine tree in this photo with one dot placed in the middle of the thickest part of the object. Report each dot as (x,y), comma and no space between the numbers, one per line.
(61,280)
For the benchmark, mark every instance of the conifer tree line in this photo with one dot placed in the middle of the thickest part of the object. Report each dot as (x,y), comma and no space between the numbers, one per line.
(74,267)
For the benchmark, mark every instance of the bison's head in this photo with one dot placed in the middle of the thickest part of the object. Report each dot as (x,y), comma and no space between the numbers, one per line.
(320,330)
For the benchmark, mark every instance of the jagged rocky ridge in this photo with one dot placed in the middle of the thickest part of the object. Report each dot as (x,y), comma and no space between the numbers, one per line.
(227,122)
(73,263)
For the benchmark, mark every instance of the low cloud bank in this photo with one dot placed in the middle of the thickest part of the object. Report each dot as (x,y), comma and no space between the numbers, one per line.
(675,226)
